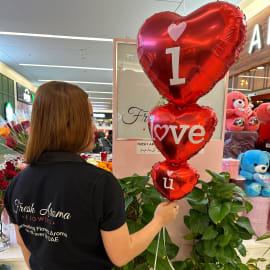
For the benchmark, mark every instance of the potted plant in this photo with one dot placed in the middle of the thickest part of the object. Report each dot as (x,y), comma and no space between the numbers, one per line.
(217,230)
(141,200)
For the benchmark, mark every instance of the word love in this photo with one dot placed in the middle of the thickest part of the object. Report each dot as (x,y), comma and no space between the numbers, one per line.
(193,132)
(180,133)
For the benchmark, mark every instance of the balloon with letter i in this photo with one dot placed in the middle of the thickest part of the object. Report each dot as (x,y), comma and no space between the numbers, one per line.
(184,57)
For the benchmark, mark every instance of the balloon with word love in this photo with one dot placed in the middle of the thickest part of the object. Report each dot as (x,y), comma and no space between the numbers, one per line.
(174,181)
(185,57)
(180,133)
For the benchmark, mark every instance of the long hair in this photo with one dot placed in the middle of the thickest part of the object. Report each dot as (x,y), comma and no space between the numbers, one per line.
(60,120)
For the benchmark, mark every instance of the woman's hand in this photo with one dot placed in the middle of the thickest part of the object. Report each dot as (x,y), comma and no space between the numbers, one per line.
(166,212)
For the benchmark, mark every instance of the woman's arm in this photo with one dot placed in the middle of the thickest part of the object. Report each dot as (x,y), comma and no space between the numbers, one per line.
(122,247)
(25,251)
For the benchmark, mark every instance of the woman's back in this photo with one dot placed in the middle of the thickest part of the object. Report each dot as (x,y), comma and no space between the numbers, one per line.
(60,216)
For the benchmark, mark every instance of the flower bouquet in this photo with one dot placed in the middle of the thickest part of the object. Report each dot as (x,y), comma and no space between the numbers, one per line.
(16,132)
(8,170)
(101,164)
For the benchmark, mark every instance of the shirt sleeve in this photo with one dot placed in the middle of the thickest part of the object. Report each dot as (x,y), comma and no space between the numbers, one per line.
(109,203)
(8,204)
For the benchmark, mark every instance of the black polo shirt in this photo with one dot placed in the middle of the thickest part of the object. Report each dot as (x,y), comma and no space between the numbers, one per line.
(60,204)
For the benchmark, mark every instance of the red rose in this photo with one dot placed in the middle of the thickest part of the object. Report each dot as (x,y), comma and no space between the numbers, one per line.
(4,185)
(18,128)
(10,166)
(11,142)
(9,174)
(25,124)
(1,177)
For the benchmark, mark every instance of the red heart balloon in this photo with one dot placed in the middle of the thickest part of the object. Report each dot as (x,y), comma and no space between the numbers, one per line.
(179,133)
(174,182)
(185,57)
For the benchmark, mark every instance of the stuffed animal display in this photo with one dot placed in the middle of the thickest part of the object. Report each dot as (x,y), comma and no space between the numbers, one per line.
(263,113)
(253,166)
(239,114)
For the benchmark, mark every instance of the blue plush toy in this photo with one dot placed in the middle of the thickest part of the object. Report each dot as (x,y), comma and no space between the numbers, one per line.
(253,166)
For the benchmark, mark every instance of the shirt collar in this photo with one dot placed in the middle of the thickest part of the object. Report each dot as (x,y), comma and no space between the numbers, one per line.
(52,157)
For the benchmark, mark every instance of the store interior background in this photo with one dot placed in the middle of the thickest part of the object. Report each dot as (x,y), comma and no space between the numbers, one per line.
(72,41)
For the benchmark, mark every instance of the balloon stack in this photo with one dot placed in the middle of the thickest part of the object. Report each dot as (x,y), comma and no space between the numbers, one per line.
(185,57)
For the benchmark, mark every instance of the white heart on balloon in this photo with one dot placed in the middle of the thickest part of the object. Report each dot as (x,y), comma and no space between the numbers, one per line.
(176,31)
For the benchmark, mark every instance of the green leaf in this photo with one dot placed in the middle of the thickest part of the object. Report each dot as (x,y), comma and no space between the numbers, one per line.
(143,266)
(237,207)
(208,266)
(198,221)
(183,265)
(210,233)
(209,247)
(187,221)
(265,236)
(162,263)
(218,211)
(191,236)
(200,208)
(223,190)
(218,178)
(128,201)
(148,212)
(226,175)
(171,248)
(256,260)
(196,196)
(243,195)
(252,267)
(242,250)
(244,222)
(267,267)
(223,240)
(241,266)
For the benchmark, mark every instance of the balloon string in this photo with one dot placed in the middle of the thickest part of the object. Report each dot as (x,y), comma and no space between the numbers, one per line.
(164,243)
(157,251)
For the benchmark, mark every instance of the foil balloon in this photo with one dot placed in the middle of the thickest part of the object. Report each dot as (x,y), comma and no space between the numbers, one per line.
(174,181)
(185,57)
(263,113)
(181,133)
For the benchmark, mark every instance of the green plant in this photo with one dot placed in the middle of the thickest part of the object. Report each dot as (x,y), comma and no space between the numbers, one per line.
(141,200)
(217,231)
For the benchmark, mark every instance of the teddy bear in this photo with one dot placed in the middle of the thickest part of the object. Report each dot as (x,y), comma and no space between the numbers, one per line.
(239,114)
(263,113)
(253,167)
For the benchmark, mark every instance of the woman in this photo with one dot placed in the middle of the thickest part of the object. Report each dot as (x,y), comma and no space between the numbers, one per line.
(69,214)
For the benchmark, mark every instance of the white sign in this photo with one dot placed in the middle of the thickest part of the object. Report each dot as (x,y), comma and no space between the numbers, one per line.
(146,147)
(256,39)
(136,95)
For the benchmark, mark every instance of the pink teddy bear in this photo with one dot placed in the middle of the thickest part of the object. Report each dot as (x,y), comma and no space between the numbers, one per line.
(239,114)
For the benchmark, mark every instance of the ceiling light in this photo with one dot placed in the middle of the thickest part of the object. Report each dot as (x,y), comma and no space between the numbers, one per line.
(256,77)
(94,102)
(240,89)
(55,36)
(99,115)
(70,67)
(98,92)
(79,82)
(98,98)
(261,67)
